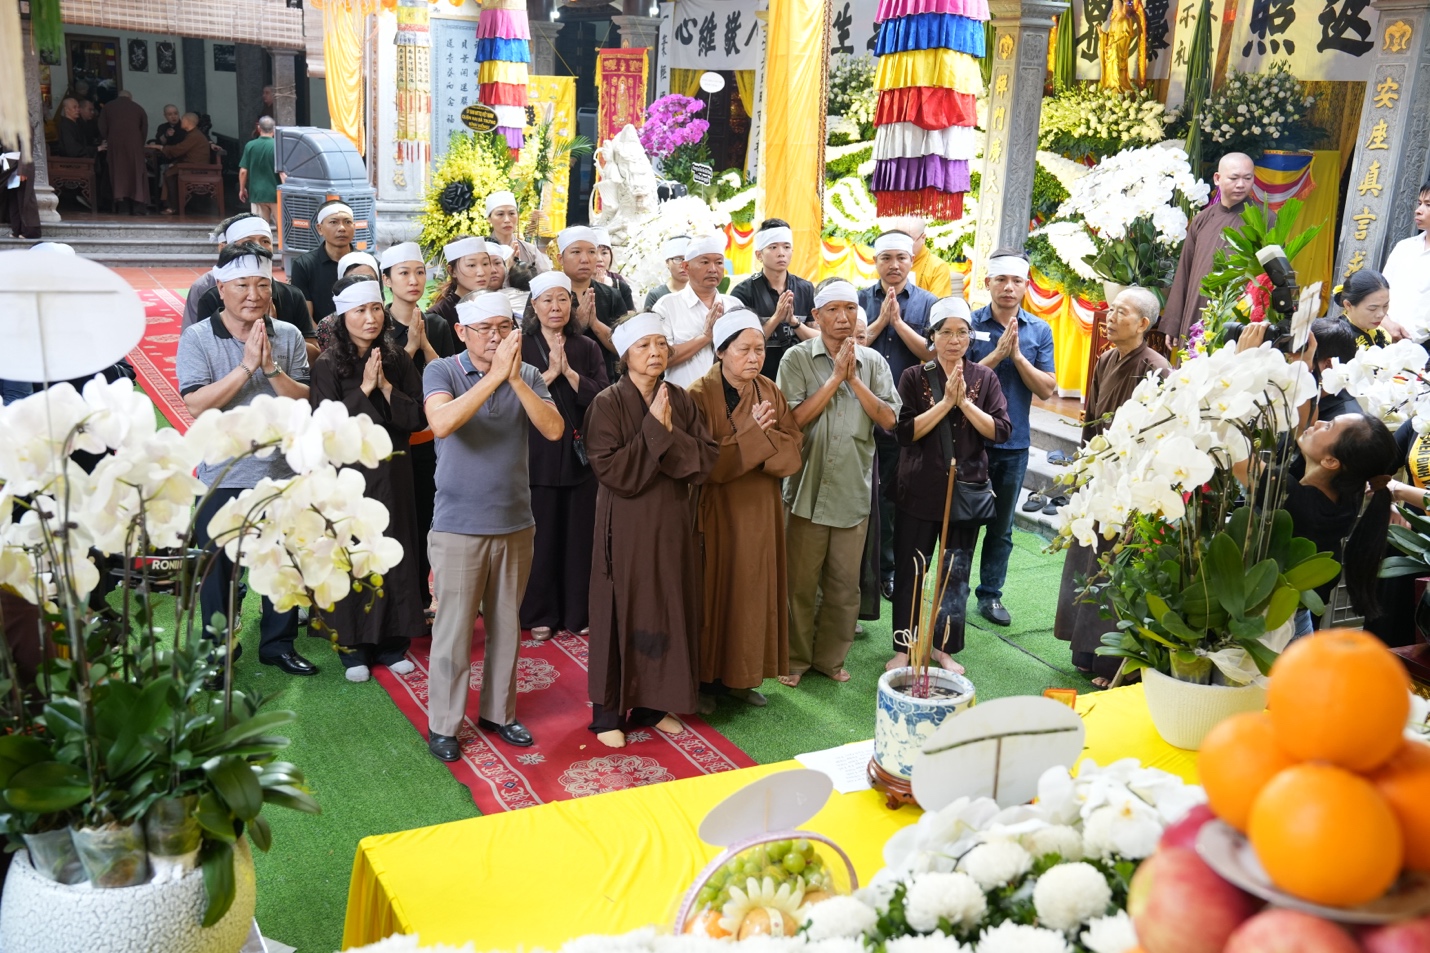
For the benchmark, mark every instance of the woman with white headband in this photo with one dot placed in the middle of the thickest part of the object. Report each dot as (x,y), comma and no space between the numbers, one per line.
(953,407)
(315,272)
(649,449)
(505,220)
(605,262)
(467,261)
(353,264)
(367,373)
(563,488)
(744,637)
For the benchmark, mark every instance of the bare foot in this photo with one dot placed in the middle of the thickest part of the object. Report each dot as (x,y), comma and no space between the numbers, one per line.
(541,633)
(946,662)
(900,660)
(840,675)
(1101,682)
(670,725)
(790,681)
(612,739)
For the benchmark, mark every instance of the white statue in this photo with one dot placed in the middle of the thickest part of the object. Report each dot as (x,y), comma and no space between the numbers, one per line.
(627,187)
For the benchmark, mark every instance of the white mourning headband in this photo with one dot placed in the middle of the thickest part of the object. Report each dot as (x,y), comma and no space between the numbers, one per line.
(462,247)
(631,330)
(250,227)
(770,236)
(245,266)
(490,304)
(357,294)
(399,254)
(547,280)
(329,211)
(894,241)
(1008,265)
(500,200)
(950,307)
(836,291)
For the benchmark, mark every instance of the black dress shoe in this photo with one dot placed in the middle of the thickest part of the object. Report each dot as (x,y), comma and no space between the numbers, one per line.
(993,611)
(513,734)
(292,663)
(887,588)
(444,747)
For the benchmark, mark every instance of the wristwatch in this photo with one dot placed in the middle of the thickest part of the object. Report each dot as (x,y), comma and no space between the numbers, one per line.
(273,373)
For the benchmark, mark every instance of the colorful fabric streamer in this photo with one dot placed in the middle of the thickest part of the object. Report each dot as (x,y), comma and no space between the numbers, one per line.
(503,52)
(926,107)
(1281,176)
(496,48)
(925,31)
(504,24)
(902,140)
(973,9)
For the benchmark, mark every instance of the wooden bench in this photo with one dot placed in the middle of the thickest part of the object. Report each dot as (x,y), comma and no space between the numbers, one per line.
(77,174)
(200,179)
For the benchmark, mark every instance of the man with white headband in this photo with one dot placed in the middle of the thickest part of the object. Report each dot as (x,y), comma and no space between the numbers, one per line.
(929,271)
(598,306)
(225,362)
(782,301)
(315,272)
(503,217)
(898,311)
(672,252)
(689,316)
(289,305)
(1019,348)
(481,404)
(839,392)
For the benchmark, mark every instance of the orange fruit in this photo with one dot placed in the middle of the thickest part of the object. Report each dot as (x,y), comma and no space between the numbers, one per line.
(1236,760)
(1326,835)
(1404,782)
(1339,696)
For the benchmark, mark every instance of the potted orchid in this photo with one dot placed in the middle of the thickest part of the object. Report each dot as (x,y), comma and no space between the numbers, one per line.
(135,742)
(1201,588)
(675,138)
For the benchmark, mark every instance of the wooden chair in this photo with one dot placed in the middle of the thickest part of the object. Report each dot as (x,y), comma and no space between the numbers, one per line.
(200,178)
(77,174)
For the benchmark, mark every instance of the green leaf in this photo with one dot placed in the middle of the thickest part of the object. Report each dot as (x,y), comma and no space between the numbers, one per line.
(261,834)
(1236,524)
(1298,551)
(1311,599)
(1226,574)
(1260,654)
(1282,606)
(1252,627)
(1173,623)
(1313,572)
(235,782)
(219,883)
(1408,541)
(1395,566)
(215,817)
(285,795)
(47,787)
(257,725)
(1261,579)
(19,751)
(1157,605)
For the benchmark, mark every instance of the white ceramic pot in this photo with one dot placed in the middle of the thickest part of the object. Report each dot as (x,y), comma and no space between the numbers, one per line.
(41,916)
(902,723)
(1110,291)
(1183,713)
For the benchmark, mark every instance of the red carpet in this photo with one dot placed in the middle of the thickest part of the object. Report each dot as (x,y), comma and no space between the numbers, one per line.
(567,761)
(154,358)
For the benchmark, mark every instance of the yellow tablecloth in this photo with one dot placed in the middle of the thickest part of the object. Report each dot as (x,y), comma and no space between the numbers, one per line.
(618,861)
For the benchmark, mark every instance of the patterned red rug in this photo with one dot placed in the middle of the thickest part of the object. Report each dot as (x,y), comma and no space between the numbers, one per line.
(154,358)
(567,761)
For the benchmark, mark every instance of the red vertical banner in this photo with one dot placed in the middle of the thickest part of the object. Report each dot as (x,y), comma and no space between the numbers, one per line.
(621,86)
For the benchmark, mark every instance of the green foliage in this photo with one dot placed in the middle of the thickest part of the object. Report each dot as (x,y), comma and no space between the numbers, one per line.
(1136,259)
(1045,259)
(1413,541)
(852,94)
(847,165)
(679,164)
(1048,194)
(1235,263)
(1084,120)
(1250,112)
(482,162)
(1199,81)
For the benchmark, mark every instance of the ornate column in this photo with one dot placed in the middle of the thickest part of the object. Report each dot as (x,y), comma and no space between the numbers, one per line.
(638,32)
(399,176)
(1015,102)
(45,196)
(1393,147)
(543,47)
(285,87)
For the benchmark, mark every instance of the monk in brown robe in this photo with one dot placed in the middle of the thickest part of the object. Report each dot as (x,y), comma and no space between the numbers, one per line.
(1116,375)
(124,125)
(745,636)
(649,448)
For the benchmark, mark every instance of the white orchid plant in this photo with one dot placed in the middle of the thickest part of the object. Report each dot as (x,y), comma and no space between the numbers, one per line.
(639,261)
(1389,382)
(1201,587)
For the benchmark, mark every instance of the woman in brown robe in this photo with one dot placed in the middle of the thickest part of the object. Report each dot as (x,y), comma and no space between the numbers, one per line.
(953,407)
(745,636)
(370,375)
(648,448)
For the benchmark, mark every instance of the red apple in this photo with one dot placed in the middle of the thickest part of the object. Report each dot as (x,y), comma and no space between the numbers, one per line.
(1180,905)
(1184,832)
(1290,931)
(1410,936)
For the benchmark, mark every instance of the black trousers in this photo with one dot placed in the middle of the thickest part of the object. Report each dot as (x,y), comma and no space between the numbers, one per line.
(914,544)
(276,629)
(558,589)
(887,461)
(424,488)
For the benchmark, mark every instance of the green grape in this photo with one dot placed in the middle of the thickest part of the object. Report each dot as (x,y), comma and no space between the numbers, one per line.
(794,863)
(733,868)
(751,869)
(778,850)
(706,897)
(801,846)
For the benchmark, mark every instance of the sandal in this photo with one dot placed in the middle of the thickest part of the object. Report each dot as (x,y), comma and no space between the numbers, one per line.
(1054,505)
(542,633)
(1060,458)
(1035,501)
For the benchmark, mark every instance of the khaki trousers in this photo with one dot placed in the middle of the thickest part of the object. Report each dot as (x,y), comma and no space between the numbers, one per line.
(471,573)
(823,568)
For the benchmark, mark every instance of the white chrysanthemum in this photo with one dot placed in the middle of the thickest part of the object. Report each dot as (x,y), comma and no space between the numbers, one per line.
(1114,934)
(954,897)
(839,917)
(1013,937)
(996,863)
(1069,895)
(932,943)
(1054,839)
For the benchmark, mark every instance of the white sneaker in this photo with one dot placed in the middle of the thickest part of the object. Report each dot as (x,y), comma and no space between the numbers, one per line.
(358,673)
(402,667)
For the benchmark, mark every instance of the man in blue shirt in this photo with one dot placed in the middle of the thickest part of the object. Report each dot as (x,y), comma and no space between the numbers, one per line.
(1019,349)
(899,310)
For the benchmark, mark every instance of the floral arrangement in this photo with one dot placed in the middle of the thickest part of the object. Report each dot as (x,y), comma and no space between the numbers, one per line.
(639,261)
(852,94)
(1234,286)
(1389,382)
(474,166)
(136,732)
(674,137)
(736,198)
(1091,121)
(1060,252)
(1253,110)
(1195,580)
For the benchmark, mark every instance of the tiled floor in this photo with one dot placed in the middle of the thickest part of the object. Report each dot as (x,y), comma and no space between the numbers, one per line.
(1066,406)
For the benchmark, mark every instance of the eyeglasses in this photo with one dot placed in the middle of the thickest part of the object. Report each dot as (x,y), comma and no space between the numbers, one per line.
(960,335)
(485,330)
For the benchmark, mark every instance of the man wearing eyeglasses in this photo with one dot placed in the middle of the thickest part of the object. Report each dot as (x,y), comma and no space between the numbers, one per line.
(480,403)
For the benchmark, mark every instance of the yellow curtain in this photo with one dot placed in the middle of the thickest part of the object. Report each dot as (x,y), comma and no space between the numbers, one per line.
(797,77)
(1317,260)
(686,82)
(745,83)
(342,55)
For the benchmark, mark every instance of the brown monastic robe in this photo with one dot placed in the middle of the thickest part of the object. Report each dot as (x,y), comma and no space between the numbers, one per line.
(1114,378)
(1204,238)
(646,571)
(745,636)
(124,126)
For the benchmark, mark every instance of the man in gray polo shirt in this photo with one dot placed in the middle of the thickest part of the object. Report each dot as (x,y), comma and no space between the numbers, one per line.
(480,404)
(225,361)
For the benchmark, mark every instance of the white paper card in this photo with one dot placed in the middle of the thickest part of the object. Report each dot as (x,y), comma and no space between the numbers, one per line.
(847,765)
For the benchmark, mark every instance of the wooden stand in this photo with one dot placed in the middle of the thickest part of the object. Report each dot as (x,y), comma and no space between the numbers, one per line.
(897,791)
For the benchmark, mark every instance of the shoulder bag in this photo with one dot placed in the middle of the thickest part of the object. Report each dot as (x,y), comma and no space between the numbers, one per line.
(974,504)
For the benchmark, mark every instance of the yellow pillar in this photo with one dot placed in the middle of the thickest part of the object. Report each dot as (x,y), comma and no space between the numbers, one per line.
(796,102)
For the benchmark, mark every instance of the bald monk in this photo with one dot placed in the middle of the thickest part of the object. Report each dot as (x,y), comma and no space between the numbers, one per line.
(1234,176)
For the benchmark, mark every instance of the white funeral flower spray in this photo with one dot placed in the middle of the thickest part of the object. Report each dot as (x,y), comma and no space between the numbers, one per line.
(954,897)
(1010,937)
(839,917)
(1069,895)
(996,863)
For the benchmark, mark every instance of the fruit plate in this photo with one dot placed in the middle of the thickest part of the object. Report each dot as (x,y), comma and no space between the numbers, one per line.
(1228,852)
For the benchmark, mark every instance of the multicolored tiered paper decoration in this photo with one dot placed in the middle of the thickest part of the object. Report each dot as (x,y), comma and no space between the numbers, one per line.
(414,84)
(503,52)
(928,80)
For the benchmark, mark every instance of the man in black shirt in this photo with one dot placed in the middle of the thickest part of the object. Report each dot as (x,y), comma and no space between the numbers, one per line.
(782,300)
(315,272)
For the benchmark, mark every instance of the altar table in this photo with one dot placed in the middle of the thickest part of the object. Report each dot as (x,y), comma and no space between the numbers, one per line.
(615,862)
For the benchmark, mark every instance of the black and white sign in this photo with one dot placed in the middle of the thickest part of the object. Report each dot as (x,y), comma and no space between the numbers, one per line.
(138,56)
